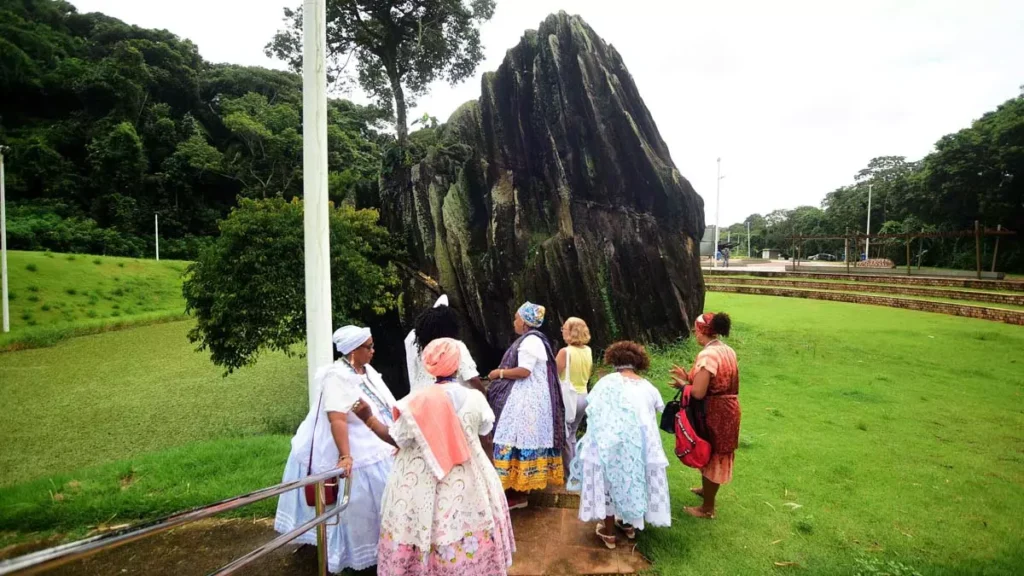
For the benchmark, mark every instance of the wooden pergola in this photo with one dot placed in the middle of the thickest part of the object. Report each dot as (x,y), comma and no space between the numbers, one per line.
(978,233)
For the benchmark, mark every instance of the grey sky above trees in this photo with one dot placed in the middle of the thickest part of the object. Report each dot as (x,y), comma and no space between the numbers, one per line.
(795,96)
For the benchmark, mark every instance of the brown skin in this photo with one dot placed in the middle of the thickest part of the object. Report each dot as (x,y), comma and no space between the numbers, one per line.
(359,358)
(513,373)
(708,490)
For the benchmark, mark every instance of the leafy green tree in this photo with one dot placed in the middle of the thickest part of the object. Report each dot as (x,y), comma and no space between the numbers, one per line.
(247,291)
(399,46)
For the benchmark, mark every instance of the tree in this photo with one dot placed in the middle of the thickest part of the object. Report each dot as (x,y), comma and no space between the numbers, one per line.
(247,291)
(400,46)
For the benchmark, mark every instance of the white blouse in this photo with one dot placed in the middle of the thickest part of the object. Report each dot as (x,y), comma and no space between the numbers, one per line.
(418,376)
(342,387)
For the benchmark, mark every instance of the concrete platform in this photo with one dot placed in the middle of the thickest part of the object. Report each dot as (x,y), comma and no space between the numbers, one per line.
(554,541)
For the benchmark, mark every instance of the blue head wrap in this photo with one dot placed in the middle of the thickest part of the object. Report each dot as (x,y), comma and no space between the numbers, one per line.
(532,314)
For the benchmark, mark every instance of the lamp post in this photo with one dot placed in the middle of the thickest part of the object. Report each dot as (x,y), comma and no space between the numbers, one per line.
(316,224)
(748,239)
(3,245)
(156,234)
(718,196)
(867,241)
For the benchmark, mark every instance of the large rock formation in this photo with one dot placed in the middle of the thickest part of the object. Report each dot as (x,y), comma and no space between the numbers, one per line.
(555,186)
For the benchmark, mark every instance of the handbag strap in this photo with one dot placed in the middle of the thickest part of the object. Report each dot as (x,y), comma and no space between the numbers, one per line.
(312,439)
(568,349)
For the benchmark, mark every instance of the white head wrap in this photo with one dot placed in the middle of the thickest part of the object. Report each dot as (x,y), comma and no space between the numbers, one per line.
(442,301)
(348,338)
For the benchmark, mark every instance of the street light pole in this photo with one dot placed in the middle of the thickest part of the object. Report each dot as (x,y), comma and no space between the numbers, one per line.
(156,234)
(748,239)
(867,241)
(718,195)
(316,223)
(3,245)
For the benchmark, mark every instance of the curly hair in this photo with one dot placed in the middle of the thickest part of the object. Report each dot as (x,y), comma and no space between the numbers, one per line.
(434,323)
(721,324)
(576,332)
(628,353)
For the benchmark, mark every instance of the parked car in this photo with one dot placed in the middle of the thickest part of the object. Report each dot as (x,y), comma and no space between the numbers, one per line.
(822,257)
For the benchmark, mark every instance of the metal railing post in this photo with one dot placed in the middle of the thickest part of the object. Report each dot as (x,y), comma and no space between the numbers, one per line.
(321,533)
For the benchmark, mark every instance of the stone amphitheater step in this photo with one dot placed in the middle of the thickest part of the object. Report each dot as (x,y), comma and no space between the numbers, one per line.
(1007,285)
(994,314)
(850,286)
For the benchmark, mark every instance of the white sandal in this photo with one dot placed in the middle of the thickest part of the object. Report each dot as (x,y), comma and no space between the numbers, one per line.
(609,541)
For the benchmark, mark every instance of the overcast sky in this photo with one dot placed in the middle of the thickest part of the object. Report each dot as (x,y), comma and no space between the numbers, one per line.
(794,96)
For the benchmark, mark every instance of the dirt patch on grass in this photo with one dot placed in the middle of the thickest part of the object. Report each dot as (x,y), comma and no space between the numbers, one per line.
(198,548)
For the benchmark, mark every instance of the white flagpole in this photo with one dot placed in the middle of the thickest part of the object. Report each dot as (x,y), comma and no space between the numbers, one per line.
(314,189)
(156,234)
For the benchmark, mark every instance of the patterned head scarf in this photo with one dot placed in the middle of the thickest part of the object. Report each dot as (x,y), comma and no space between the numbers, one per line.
(441,357)
(348,338)
(704,324)
(532,314)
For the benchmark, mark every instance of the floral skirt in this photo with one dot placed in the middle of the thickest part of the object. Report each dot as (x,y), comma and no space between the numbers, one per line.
(719,468)
(482,553)
(524,469)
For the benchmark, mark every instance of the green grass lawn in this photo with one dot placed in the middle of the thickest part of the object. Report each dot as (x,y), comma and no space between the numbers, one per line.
(53,296)
(116,395)
(869,434)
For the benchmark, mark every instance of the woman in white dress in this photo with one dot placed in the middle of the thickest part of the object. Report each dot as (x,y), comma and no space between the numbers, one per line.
(526,396)
(444,510)
(620,461)
(333,436)
(441,321)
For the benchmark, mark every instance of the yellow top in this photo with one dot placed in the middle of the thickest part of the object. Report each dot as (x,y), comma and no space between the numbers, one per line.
(579,363)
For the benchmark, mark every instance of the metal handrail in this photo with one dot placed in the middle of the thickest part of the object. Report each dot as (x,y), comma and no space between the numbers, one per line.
(50,558)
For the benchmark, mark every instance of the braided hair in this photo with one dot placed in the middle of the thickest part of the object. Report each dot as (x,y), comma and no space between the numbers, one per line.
(434,323)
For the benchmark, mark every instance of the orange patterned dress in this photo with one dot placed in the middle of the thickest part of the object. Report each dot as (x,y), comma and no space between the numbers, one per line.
(721,407)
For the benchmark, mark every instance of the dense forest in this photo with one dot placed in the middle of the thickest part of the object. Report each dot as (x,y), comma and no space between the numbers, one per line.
(109,124)
(974,174)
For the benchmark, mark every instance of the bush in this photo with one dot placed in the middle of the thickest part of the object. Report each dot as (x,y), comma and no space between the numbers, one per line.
(247,291)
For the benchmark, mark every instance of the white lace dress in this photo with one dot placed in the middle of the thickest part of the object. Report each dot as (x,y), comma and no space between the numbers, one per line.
(458,525)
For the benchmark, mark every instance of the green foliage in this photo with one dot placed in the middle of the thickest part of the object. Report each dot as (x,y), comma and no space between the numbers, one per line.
(247,290)
(110,124)
(399,47)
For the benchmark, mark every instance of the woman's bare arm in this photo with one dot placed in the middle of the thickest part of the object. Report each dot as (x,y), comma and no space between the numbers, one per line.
(701,381)
(560,361)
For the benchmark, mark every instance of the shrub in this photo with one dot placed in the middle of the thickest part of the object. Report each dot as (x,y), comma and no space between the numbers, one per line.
(247,291)
(31,267)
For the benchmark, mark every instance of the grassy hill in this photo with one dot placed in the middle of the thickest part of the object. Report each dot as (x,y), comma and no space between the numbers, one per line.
(54,296)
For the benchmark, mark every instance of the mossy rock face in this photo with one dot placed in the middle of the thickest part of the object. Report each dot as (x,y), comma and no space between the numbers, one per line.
(554,186)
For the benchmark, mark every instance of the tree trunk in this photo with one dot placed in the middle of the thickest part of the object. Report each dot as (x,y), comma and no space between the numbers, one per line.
(401,128)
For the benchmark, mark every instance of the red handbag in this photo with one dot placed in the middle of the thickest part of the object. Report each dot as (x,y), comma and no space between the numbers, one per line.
(691,449)
(331,484)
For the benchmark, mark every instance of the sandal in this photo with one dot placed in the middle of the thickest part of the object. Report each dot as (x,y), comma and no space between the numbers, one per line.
(698,512)
(609,541)
(629,530)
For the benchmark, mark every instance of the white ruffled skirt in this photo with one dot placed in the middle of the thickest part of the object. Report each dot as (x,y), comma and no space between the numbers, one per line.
(595,495)
(353,542)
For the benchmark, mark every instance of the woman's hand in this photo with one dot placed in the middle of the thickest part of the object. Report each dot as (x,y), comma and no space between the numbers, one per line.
(345,463)
(362,410)
(680,378)
(494,375)
(678,383)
